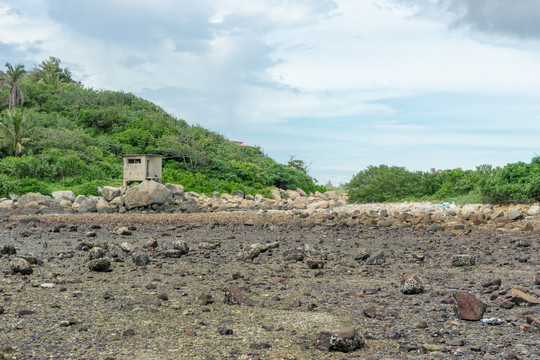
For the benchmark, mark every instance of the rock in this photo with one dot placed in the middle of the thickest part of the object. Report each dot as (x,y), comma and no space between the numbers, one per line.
(363,254)
(521,298)
(21,266)
(301,192)
(127,247)
(96,253)
(181,246)
(250,252)
(225,331)
(435,227)
(86,206)
(275,194)
(35,197)
(103,207)
(431,347)
(145,194)
(293,255)
(537,279)
(514,215)
(109,193)
(370,312)
(233,296)
(140,258)
(124,230)
(494,282)
(315,263)
(343,340)
(64,195)
(411,284)
(100,265)
(463,260)
(8,250)
(377,259)
(175,189)
(534,210)
(468,306)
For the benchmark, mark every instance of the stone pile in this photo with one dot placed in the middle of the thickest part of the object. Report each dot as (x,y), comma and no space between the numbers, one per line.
(327,209)
(151,197)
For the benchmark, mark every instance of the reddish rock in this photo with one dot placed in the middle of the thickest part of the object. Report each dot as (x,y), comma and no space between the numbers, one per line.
(234,296)
(468,306)
(344,340)
(533,321)
(537,279)
(370,312)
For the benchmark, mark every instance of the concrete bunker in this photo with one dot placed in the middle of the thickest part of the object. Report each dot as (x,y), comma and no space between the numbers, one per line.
(140,167)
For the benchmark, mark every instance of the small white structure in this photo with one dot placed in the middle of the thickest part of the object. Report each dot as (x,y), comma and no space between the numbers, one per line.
(140,167)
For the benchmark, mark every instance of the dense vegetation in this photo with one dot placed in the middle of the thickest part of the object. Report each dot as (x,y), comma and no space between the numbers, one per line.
(56,134)
(514,183)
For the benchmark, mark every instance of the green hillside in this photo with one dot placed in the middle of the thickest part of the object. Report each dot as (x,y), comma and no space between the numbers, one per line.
(56,134)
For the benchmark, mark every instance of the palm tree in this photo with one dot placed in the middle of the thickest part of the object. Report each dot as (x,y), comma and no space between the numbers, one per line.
(11,79)
(12,131)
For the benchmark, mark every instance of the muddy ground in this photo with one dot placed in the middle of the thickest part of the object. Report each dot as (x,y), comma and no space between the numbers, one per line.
(173,308)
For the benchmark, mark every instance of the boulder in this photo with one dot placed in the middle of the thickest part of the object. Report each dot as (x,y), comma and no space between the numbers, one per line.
(468,306)
(344,340)
(86,206)
(534,210)
(275,194)
(21,266)
(145,194)
(103,207)
(110,193)
(514,215)
(175,189)
(64,195)
(35,197)
(411,285)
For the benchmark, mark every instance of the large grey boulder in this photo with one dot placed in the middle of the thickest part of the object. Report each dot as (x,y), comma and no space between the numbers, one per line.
(110,192)
(64,195)
(175,189)
(145,194)
(40,199)
(103,207)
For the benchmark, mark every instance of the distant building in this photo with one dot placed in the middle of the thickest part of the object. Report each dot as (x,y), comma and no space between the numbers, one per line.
(140,167)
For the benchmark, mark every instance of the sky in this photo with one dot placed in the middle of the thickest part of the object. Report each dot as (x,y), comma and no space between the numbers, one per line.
(339,84)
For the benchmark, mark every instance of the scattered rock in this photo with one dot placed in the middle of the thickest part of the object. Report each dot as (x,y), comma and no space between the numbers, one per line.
(100,265)
(468,306)
(140,258)
(235,296)
(8,250)
(343,340)
(463,260)
(412,284)
(521,298)
(377,259)
(21,266)
(315,263)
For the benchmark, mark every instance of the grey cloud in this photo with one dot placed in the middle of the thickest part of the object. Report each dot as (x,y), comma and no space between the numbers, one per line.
(517,18)
(508,18)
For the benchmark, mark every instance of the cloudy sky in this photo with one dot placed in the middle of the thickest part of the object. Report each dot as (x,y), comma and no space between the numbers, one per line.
(340,84)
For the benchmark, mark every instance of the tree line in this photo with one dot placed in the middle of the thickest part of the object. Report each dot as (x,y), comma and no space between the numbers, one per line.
(56,134)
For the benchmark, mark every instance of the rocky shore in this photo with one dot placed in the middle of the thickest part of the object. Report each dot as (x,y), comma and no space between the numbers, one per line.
(328,209)
(293,277)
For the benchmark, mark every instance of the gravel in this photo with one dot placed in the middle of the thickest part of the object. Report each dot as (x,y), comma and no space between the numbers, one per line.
(162,295)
